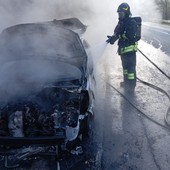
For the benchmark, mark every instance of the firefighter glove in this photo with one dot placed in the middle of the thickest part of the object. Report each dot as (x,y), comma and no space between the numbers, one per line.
(111,39)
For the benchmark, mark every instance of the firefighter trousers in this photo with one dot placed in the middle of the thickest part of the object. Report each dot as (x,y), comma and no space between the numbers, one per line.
(129,69)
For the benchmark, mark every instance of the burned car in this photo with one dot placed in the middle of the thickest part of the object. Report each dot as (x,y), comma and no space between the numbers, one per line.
(45,93)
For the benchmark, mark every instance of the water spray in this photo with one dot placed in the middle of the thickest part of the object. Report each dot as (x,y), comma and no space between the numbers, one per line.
(96,52)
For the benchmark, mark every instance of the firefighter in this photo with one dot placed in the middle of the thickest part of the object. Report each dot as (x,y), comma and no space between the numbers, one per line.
(125,33)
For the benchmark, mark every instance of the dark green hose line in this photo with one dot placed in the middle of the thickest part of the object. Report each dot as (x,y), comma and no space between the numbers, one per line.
(141,112)
(157,88)
(154,64)
(154,87)
(162,91)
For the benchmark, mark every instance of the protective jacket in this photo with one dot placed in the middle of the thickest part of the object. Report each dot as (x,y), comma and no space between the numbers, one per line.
(126,32)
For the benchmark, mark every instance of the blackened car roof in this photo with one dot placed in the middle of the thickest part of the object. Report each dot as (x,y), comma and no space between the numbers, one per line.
(43,40)
(36,53)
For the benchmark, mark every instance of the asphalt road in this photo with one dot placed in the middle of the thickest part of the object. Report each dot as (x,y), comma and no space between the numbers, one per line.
(128,139)
(129,131)
(158,35)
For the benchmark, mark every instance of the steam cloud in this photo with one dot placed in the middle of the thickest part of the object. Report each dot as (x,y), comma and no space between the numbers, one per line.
(22,11)
(99,13)
(100,16)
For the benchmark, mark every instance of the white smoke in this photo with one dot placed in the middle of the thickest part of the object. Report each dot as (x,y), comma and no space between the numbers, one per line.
(22,11)
(99,13)
(91,12)
(148,10)
(100,16)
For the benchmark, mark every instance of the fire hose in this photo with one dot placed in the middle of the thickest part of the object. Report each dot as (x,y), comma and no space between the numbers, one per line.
(154,87)
(154,64)
(157,88)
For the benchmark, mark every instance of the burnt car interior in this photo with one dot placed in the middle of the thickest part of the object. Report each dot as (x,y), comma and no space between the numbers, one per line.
(44,95)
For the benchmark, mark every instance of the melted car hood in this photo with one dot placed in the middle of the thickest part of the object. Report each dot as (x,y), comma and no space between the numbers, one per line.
(35,54)
(43,41)
(20,78)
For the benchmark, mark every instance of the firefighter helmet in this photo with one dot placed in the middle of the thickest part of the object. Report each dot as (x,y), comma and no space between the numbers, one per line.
(123,10)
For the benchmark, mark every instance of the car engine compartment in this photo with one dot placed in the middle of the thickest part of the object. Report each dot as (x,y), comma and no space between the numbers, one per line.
(38,117)
(42,117)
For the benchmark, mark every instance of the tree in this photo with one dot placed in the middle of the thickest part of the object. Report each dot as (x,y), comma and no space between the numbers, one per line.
(164,7)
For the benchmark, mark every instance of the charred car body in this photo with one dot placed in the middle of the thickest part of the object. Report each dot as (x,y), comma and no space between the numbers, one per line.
(46,95)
